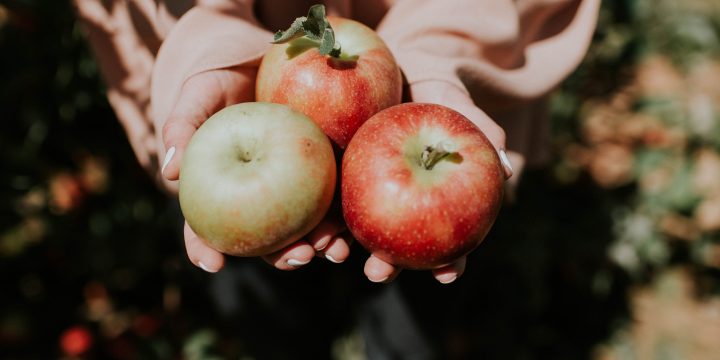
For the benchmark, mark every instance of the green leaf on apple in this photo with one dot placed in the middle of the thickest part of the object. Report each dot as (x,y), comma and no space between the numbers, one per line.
(314,26)
(316,22)
(295,31)
(328,43)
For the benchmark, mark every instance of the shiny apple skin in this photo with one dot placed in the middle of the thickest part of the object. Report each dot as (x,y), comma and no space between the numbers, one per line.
(255,178)
(338,95)
(410,216)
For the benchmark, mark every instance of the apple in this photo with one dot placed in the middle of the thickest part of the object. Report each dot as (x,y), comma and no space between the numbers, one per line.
(255,178)
(339,75)
(421,185)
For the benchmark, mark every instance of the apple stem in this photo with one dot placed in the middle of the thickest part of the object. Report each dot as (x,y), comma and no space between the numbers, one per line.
(432,154)
(314,26)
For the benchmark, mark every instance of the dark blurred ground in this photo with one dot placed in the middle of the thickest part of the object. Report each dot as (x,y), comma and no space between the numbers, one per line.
(612,251)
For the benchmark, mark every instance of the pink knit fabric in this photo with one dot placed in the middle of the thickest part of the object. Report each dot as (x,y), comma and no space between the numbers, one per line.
(505,53)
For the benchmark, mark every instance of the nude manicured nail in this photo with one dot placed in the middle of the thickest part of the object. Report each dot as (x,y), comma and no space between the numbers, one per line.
(446,279)
(329,257)
(379,280)
(323,243)
(506,163)
(204,267)
(295,262)
(168,156)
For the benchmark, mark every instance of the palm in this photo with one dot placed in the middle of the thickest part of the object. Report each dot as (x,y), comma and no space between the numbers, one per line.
(208,92)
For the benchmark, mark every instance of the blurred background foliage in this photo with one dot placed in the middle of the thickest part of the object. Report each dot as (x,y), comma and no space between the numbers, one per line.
(612,251)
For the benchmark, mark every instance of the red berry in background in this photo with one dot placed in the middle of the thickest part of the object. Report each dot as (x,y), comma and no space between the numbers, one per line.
(76,340)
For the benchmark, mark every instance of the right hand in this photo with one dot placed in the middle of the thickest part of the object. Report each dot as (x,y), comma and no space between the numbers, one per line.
(443,93)
(201,96)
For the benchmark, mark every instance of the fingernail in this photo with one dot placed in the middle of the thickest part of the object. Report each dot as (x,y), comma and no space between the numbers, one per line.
(329,257)
(168,156)
(204,267)
(295,262)
(378,280)
(446,278)
(323,243)
(506,163)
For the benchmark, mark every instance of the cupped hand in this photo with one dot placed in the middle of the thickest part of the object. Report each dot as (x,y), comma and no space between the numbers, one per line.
(201,96)
(456,98)
(327,240)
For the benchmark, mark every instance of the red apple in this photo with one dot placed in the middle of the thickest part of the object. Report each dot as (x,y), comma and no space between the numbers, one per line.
(421,185)
(338,92)
(255,178)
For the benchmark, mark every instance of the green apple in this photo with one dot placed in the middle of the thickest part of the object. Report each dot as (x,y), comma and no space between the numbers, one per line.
(255,178)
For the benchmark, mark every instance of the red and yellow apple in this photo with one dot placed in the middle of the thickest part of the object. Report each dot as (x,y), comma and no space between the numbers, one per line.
(338,91)
(255,178)
(421,185)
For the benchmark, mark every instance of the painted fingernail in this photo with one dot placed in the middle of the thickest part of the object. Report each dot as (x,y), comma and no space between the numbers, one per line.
(322,243)
(168,156)
(506,163)
(204,267)
(447,278)
(379,280)
(296,262)
(329,257)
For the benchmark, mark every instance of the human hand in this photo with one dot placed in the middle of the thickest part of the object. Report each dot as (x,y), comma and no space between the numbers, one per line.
(201,96)
(447,94)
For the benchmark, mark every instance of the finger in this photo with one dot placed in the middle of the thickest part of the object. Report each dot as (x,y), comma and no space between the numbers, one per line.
(449,95)
(377,270)
(191,110)
(201,96)
(200,253)
(339,249)
(494,133)
(320,237)
(291,257)
(450,273)
(490,128)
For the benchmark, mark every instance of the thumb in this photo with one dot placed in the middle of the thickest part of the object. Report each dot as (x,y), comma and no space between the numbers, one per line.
(493,132)
(201,96)
(190,111)
(443,93)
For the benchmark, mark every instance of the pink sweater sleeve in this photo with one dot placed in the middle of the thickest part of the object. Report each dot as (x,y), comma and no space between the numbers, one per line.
(500,51)
(147,49)
(205,38)
(503,52)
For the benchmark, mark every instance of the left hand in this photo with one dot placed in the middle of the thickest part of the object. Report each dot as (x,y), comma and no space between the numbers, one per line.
(201,96)
(447,94)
